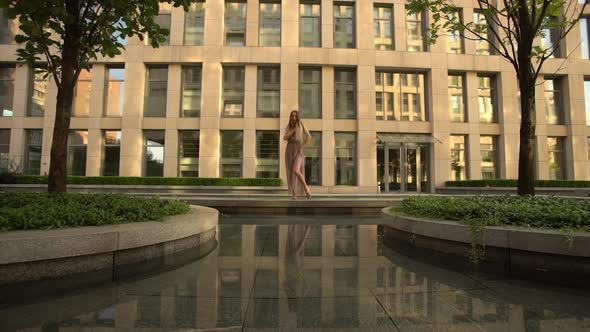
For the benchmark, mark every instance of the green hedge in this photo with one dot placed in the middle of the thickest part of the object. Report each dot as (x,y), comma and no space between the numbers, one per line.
(28,211)
(120,180)
(527,211)
(513,183)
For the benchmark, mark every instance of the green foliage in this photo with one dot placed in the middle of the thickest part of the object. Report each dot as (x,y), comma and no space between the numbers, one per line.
(28,211)
(522,211)
(120,180)
(513,183)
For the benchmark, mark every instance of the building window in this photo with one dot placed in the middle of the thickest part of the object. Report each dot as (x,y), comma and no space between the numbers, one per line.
(488,147)
(156,92)
(556,158)
(188,154)
(310,23)
(163,20)
(400,96)
(231,153)
(7,76)
(233,91)
(115,92)
(38,94)
(194,24)
(191,91)
(267,154)
(553,101)
(482,46)
(8,29)
(456,98)
(313,159)
(33,145)
(585,37)
(458,160)
(587,101)
(154,141)
(270,24)
(345,149)
(235,23)
(344,26)
(4,149)
(345,94)
(415,26)
(81,101)
(269,91)
(455,41)
(77,143)
(486,99)
(383,27)
(111,153)
(550,37)
(310,92)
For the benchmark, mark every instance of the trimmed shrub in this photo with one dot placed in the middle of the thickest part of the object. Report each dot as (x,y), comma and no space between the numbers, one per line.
(28,211)
(136,180)
(513,183)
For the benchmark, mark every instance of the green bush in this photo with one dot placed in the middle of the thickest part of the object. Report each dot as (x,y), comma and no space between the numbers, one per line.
(526,211)
(513,183)
(120,180)
(28,211)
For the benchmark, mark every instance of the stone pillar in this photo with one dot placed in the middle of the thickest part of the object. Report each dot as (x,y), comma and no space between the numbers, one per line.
(328,154)
(250,108)
(132,142)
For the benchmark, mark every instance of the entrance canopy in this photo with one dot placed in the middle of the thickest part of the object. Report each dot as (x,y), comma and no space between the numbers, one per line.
(391,139)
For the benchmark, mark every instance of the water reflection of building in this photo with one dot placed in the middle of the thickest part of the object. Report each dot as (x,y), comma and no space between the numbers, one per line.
(250,278)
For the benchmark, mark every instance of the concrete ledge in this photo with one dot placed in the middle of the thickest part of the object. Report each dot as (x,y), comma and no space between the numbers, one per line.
(148,189)
(566,191)
(36,255)
(533,253)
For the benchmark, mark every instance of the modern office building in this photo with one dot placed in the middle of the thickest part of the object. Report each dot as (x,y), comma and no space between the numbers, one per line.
(385,108)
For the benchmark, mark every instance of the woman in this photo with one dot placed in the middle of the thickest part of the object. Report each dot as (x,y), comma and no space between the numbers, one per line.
(297,136)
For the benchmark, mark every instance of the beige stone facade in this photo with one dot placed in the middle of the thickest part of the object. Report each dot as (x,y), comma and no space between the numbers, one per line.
(364,59)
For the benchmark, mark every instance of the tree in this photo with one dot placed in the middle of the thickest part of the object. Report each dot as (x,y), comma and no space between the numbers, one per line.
(511,28)
(67,35)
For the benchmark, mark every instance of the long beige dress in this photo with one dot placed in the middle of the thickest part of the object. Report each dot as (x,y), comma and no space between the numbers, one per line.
(293,153)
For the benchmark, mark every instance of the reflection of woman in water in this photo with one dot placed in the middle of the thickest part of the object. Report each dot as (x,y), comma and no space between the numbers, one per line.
(297,136)
(296,236)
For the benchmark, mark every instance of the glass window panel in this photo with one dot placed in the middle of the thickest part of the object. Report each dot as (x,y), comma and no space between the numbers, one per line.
(383,27)
(345,94)
(585,37)
(456,98)
(488,157)
(163,20)
(458,158)
(309,25)
(194,24)
(553,102)
(156,92)
(154,152)
(415,33)
(115,92)
(77,143)
(81,102)
(313,159)
(267,154)
(7,77)
(550,38)
(233,91)
(345,150)
(38,94)
(188,154)
(191,91)
(310,92)
(270,24)
(235,23)
(231,153)
(344,26)
(269,91)
(486,99)
(482,47)
(587,101)
(34,142)
(4,149)
(400,96)
(111,153)
(556,158)
(454,38)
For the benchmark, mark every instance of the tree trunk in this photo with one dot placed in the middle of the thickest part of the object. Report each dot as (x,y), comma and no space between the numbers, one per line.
(65,93)
(526,159)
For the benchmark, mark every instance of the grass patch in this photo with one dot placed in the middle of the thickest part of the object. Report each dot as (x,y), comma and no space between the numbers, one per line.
(501,183)
(138,180)
(537,212)
(30,211)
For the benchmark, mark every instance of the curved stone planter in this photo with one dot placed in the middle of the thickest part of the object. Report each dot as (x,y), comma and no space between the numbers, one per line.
(533,253)
(102,251)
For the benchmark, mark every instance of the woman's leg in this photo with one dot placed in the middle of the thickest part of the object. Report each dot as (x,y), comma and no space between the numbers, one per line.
(297,171)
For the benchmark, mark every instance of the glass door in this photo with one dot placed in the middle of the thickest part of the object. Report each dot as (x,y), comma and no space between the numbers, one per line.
(411,176)
(403,168)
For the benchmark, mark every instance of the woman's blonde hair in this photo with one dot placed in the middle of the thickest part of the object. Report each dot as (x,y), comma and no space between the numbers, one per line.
(302,135)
